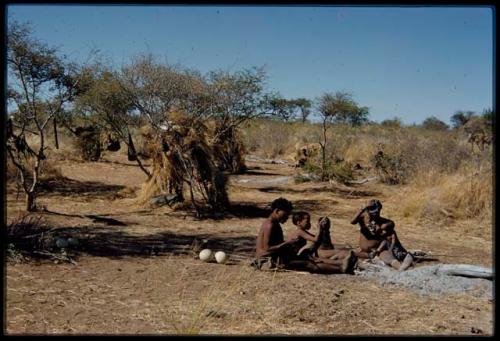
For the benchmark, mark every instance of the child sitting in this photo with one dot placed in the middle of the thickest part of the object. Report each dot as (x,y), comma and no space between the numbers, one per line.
(391,252)
(302,236)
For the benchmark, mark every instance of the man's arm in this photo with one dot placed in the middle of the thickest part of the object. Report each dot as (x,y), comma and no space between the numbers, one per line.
(308,236)
(393,241)
(387,224)
(381,247)
(356,218)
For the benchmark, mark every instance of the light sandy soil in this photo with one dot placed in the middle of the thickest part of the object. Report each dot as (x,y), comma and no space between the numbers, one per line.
(141,278)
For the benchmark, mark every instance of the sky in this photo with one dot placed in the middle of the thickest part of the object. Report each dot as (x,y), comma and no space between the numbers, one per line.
(406,62)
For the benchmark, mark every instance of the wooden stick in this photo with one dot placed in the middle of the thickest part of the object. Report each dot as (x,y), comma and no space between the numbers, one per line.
(55,134)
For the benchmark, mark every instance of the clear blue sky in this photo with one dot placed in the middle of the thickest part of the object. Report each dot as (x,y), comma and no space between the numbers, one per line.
(410,62)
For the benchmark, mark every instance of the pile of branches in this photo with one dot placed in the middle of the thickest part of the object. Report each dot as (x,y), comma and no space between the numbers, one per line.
(92,140)
(29,237)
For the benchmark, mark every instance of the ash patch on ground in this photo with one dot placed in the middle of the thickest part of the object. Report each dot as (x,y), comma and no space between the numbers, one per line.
(282,180)
(430,280)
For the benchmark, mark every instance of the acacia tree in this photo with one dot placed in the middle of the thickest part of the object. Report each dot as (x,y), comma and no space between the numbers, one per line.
(329,106)
(395,122)
(283,108)
(434,123)
(460,118)
(304,105)
(234,98)
(40,84)
(237,97)
(355,117)
(108,107)
(155,88)
(177,104)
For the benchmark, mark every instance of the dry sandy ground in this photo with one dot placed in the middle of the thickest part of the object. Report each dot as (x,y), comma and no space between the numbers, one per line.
(140,278)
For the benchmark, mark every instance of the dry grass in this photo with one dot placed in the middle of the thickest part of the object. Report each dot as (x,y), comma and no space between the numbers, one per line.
(270,139)
(175,294)
(463,195)
(445,178)
(181,296)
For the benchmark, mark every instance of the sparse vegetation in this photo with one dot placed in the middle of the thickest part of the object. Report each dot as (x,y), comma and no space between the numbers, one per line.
(412,156)
(40,85)
(152,162)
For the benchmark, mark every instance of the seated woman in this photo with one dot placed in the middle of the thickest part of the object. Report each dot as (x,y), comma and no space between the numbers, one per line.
(301,236)
(391,252)
(370,223)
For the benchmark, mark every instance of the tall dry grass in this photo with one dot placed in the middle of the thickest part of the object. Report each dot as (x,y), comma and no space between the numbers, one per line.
(464,194)
(442,176)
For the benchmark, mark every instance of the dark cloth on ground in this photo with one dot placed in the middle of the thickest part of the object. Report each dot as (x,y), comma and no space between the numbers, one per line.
(398,251)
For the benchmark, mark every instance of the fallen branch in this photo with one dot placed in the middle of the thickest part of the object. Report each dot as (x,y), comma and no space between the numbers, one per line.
(358,182)
(466,270)
(56,256)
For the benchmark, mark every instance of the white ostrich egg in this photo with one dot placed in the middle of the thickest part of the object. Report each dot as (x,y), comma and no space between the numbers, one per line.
(221,257)
(206,255)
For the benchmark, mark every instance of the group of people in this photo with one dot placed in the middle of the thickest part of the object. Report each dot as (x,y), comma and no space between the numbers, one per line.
(304,251)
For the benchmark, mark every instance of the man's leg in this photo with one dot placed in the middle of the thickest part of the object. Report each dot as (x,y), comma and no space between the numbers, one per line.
(389,259)
(333,254)
(361,253)
(315,267)
(345,264)
(407,262)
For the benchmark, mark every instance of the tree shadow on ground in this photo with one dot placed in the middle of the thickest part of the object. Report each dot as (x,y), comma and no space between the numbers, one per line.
(313,205)
(124,164)
(350,193)
(69,187)
(253,172)
(249,210)
(95,218)
(253,210)
(114,243)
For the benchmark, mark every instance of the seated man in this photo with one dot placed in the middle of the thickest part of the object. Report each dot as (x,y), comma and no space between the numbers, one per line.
(370,223)
(273,251)
(271,248)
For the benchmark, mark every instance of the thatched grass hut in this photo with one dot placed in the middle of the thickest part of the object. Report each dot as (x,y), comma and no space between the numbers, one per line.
(183,161)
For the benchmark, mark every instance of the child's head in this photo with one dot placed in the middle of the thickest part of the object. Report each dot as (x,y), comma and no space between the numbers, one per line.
(281,209)
(302,220)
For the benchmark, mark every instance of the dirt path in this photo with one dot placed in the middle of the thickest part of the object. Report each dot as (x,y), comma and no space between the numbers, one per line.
(138,277)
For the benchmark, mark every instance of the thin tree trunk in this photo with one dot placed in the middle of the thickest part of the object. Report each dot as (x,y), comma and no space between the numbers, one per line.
(323,153)
(55,134)
(31,202)
(141,166)
(132,153)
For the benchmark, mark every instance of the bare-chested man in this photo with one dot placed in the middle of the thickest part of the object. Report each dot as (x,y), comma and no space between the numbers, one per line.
(273,251)
(370,223)
(271,246)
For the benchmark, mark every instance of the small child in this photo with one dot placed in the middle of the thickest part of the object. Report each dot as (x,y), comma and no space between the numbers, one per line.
(302,235)
(391,251)
(346,260)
